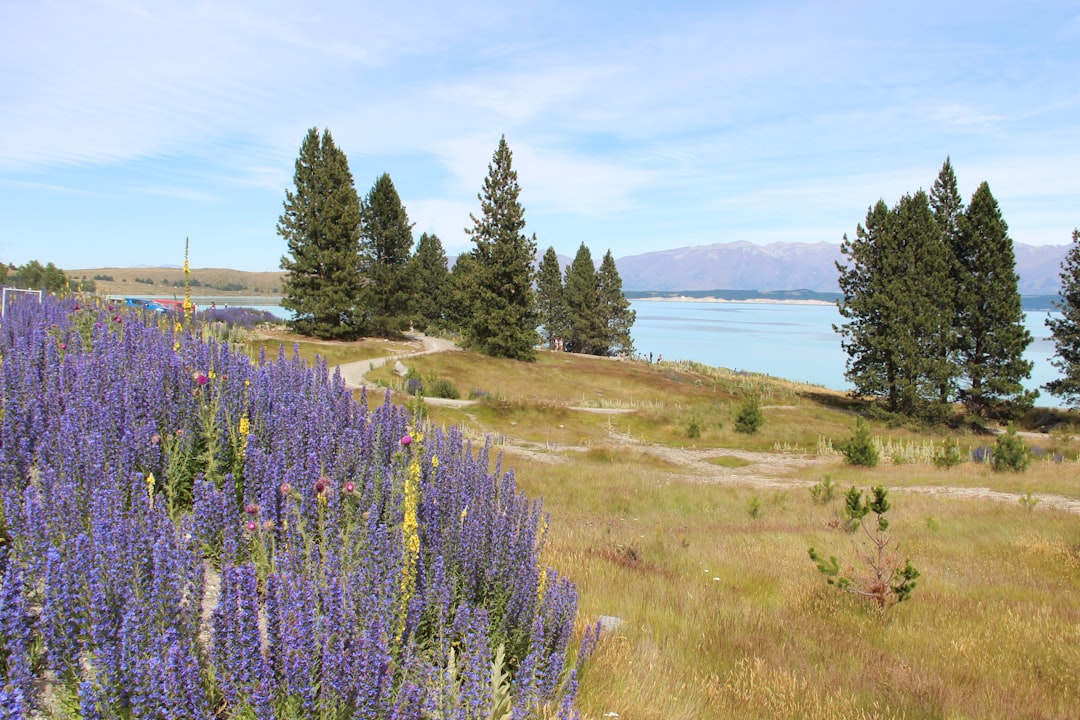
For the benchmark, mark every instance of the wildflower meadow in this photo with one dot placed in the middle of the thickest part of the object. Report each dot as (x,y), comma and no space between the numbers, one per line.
(186,533)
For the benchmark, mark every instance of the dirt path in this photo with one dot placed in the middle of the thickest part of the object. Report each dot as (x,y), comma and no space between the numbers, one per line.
(766,470)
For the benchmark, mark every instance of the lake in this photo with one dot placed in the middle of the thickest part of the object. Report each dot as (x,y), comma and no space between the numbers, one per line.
(788,340)
(792,341)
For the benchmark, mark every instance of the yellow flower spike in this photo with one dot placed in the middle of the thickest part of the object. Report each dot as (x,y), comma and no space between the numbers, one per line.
(211,374)
(434,461)
(150,482)
(176,347)
(178,328)
(245,425)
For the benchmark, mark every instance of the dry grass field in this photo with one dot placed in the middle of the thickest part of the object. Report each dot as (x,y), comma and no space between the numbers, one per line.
(698,542)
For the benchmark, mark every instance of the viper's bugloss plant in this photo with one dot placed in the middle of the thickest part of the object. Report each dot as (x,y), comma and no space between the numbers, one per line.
(207,536)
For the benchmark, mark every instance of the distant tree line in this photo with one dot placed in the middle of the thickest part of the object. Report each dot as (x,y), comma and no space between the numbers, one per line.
(352,268)
(932,311)
(35,276)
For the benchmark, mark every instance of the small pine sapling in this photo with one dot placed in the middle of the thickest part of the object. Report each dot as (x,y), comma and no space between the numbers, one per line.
(750,418)
(859,449)
(1010,452)
(884,580)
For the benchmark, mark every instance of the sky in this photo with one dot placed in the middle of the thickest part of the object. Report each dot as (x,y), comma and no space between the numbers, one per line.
(127,126)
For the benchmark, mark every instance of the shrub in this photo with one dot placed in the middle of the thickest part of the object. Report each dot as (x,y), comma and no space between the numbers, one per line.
(949,455)
(438,387)
(859,449)
(823,491)
(1010,452)
(693,429)
(750,418)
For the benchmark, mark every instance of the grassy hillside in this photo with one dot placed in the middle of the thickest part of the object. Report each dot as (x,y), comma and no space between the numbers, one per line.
(169,281)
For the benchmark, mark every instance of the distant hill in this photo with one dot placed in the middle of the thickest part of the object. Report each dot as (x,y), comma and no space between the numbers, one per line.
(791,266)
(169,281)
(735,266)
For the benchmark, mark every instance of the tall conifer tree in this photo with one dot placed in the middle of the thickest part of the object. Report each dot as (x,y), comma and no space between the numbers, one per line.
(587,332)
(320,225)
(503,315)
(385,246)
(898,324)
(990,332)
(615,307)
(948,209)
(1065,329)
(550,298)
(431,279)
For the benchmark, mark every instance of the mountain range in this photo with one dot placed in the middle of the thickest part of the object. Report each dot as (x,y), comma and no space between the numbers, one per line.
(792,266)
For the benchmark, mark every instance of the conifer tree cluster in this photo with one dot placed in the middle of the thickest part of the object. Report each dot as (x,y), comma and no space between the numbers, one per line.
(587,312)
(931,307)
(352,269)
(351,266)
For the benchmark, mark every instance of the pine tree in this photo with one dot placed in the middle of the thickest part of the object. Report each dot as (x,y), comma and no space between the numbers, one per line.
(948,209)
(587,332)
(615,307)
(990,333)
(503,317)
(1065,329)
(550,299)
(385,246)
(899,322)
(320,225)
(431,280)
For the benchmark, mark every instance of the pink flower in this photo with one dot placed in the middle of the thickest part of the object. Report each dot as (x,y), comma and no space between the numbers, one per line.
(63,346)
(406,439)
(117,319)
(200,378)
(321,484)
(251,509)
(155,439)
(251,526)
(350,487)
(286,488)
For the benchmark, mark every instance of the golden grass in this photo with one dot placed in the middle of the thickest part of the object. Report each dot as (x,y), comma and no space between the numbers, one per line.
(727,617)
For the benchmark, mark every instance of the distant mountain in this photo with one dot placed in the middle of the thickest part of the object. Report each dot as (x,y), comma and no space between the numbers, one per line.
(791,266)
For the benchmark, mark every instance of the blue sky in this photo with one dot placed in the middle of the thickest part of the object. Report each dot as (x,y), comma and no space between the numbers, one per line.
(128,125)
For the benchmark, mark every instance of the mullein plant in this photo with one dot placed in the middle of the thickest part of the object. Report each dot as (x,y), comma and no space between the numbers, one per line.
(187,533)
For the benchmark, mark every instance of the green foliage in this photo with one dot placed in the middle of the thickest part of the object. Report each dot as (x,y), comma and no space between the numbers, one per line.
(990,333)
(1029,501)
(1010,452)
(385,249)
(823,491)
(431,283)
(615,310)
(550,298)
(1065,329)
(754,507)
(883,580)
(750,418)
(586,332)
(693,429)
(320,225)
(948,455)
(898,328)
(500,302)
(35,276)
(859,449)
